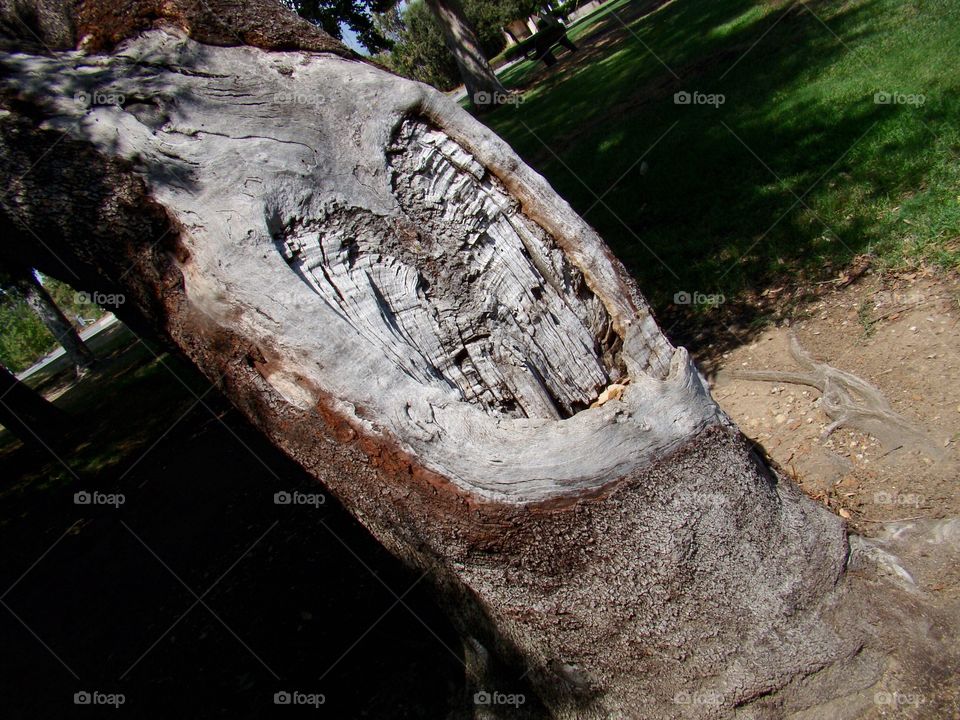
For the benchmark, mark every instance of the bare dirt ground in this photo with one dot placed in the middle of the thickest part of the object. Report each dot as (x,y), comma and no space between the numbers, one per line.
(900,333)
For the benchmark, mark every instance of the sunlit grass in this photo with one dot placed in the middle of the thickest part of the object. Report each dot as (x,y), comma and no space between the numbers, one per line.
(795,173)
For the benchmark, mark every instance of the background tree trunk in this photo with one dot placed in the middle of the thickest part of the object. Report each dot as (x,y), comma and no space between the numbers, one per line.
(55,321)
(482,84)
(385,289)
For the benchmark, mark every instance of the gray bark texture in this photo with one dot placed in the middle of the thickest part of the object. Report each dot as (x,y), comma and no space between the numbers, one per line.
(409,311)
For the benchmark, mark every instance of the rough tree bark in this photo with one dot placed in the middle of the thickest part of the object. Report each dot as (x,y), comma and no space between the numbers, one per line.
(55,321)
(483,86)
(384,288)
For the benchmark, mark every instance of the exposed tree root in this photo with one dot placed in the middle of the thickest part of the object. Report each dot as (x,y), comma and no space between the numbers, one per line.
(847,400)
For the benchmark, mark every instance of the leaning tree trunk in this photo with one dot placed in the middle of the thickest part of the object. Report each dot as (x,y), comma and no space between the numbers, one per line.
(55,321)
(404,307)
(482,84)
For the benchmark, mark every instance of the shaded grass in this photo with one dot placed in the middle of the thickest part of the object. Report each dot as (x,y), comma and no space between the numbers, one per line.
(118,411)
(797,172)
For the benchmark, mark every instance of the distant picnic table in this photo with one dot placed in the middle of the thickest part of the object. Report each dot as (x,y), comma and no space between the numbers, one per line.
(550,34)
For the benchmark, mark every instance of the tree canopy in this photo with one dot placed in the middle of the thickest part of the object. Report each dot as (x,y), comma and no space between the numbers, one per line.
(408,38)
(358,15)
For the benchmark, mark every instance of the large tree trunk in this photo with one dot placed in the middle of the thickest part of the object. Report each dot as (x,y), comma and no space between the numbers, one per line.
(55,321)
(384,288)
(483,86)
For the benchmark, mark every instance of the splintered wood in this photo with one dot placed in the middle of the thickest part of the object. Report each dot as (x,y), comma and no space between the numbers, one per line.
(460,287)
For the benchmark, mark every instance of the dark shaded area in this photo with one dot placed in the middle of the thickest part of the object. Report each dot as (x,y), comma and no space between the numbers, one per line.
(296,590)
(22,409)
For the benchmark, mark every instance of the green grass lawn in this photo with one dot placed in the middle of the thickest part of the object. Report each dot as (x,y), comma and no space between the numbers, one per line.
(799,169)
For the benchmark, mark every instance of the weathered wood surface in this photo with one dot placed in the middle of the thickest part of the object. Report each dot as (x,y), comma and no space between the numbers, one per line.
(467,355)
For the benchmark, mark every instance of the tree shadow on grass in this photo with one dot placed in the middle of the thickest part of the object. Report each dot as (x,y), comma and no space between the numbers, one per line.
(293,603)
(779,181)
